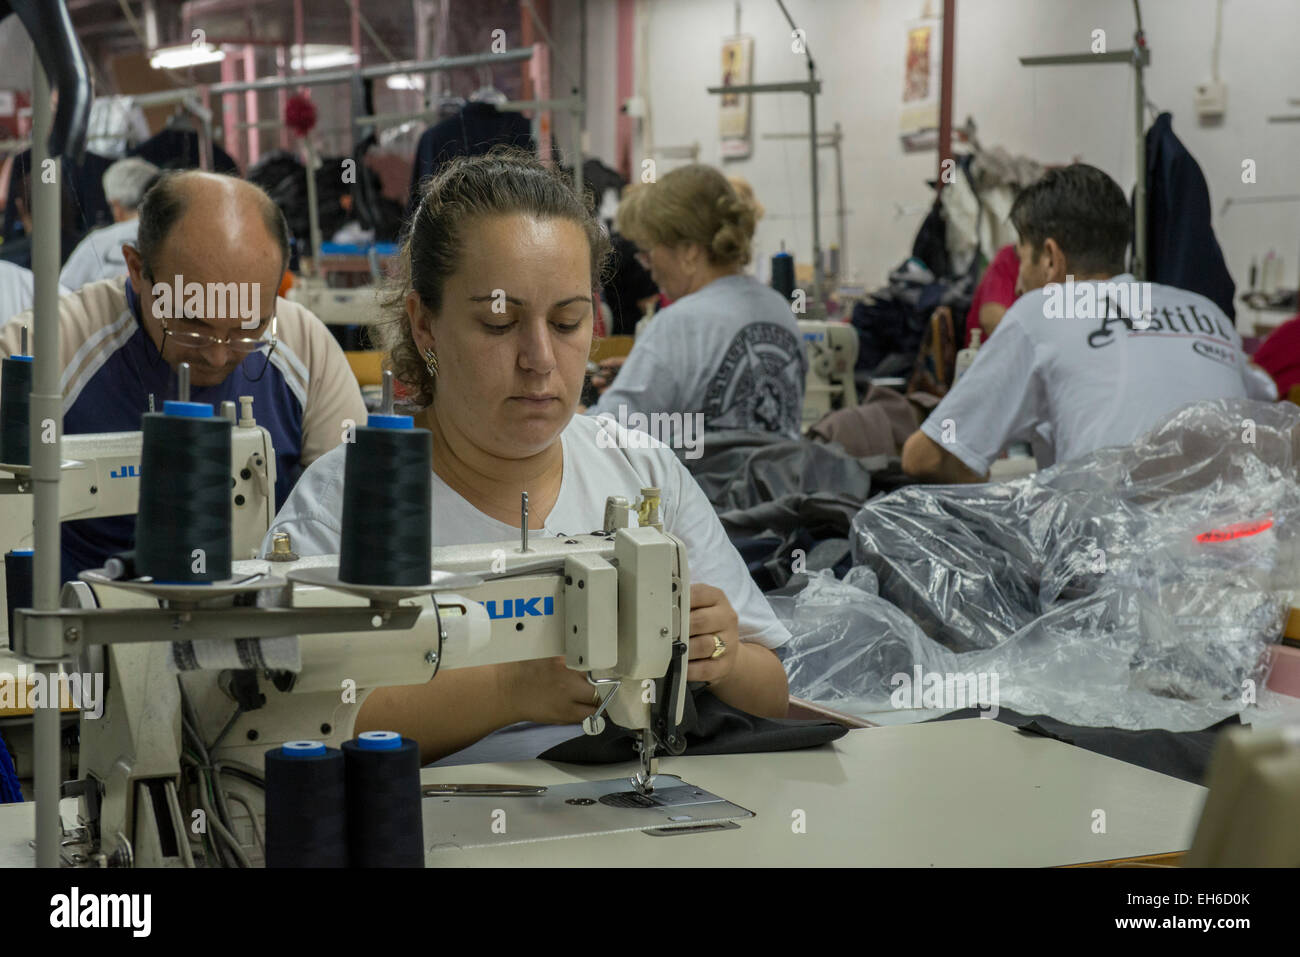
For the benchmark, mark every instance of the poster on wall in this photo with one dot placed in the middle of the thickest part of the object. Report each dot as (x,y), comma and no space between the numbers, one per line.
(733,114)
(919,119)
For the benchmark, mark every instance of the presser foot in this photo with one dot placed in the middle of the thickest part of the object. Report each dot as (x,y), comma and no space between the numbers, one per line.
(643,780)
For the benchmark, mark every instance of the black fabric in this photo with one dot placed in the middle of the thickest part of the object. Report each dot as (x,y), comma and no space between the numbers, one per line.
(931,243)
(711,726)
(84,206)
(1182,250)
(290,194)
(1180,754)
(892,321)
(179,149)
(629,283)
(473,131)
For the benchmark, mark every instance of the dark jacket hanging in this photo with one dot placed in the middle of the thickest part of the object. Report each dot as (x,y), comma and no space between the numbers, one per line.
(1181,248)
(474,130)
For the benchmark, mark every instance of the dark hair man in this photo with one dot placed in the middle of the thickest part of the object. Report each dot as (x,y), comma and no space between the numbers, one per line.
(1087,357)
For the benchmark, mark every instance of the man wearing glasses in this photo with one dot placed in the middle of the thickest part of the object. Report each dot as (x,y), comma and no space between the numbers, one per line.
(201,288)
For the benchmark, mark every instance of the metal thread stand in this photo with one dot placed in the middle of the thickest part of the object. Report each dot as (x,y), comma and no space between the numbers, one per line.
(810,87)
(1139,58)
(833,140)
(46,404)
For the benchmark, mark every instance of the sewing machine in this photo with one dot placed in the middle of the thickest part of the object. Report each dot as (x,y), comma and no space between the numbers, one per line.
(100,478)
(832,349)
(614,603)
(336,306)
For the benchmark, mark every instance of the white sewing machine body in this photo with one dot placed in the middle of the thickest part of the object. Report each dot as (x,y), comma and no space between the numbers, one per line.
(832,349)
(101,478)
(614,604)
(336,306)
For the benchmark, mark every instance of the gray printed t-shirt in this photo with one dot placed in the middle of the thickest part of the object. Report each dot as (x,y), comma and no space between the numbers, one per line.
(731,351)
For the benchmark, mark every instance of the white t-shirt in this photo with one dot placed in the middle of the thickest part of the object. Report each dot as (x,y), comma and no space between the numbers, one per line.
(314,510)
(1090,364)
(313,513)
(730,351)
(99,255)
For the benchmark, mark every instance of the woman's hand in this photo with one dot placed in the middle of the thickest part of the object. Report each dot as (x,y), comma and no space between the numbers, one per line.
(712,614)
(546,691)
(608,369)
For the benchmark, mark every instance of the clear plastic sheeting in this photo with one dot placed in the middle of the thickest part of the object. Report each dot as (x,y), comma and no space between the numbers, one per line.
(1135,587)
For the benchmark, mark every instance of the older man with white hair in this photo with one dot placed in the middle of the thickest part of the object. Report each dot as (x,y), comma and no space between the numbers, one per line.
(99,255)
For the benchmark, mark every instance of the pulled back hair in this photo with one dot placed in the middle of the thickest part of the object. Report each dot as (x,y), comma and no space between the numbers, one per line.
(691,204)
(502,183)
(1084,210)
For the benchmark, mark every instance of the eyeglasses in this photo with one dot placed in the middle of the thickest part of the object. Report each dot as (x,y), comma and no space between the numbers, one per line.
(200,340)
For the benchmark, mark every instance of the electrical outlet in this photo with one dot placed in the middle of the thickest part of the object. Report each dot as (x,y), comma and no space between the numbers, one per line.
(1211,100)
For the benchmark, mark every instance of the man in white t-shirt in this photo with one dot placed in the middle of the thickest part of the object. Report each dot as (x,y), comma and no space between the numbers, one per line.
(1088,357)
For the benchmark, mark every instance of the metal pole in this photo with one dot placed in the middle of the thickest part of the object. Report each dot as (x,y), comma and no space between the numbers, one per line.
(46,405)
(313,212)
(1140,190)
(579,118)
(816,196)
(840,213)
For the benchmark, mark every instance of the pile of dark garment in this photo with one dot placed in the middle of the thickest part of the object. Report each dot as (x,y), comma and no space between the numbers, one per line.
(788,505)
(284,178)
(892,321)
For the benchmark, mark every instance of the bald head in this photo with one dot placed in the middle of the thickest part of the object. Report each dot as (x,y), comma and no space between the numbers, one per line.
(210,253)
(213,217)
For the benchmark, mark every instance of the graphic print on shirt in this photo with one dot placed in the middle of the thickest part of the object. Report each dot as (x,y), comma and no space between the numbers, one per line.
(757,387)
(1209,339)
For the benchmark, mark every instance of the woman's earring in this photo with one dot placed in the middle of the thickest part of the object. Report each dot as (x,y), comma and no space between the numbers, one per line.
(431,361)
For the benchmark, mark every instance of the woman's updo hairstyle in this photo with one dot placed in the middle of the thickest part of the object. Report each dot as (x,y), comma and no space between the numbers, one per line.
(691,204)
(501,183)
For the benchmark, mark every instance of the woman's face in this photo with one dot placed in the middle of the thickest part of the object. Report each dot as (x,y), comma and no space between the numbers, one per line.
(671,268)
(514,334)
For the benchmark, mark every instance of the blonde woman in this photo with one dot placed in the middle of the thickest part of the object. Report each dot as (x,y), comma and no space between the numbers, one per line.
(728,347)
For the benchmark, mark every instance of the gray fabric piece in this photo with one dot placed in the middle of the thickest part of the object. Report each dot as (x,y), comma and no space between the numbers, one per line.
(740,470)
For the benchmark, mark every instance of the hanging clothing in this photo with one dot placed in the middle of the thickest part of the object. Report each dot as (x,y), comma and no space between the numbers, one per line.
(84,206)
(471,132)
(179,149)
(1182,250)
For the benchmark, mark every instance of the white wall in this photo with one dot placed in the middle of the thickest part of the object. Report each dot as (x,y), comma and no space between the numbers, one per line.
(1053,114)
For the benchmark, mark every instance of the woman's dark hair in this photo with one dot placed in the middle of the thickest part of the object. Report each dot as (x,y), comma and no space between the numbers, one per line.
(503,182)
(1081,208)
(165,201)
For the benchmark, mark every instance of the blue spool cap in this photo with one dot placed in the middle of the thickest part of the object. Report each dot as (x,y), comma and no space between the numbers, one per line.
(21,358)
(390,422)
(379,741)
(22,552)
(303,749)
(187,410)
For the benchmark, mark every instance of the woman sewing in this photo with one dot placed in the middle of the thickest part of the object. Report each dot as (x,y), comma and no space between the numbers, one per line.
(728,348)
(490,330)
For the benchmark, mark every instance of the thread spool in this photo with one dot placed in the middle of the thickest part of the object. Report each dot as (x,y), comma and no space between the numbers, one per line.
(387,496)
(18,583)
(385,819)
(182,532)
(15,410)
(783,272)
(306,811)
